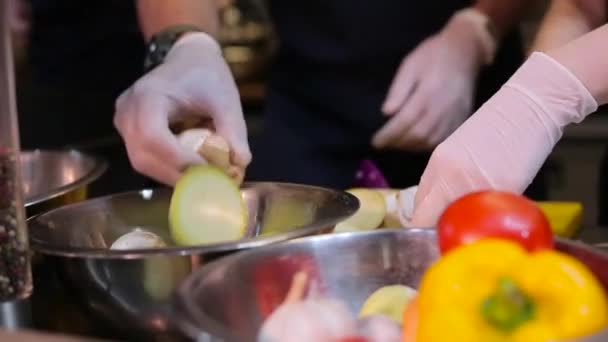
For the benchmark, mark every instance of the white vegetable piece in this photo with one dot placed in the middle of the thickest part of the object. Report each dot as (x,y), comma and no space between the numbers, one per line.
(391,199)
(213,148)
(308,320)
(371,213)
(138,239)
(406,204)
(300,319)
(379,328)
(194,138)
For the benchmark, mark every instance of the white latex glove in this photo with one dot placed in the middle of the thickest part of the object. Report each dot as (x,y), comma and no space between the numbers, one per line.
(193,80)
(504,144)
(432,93)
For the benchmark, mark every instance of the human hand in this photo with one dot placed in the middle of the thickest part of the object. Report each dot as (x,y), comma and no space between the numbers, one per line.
(432,92)
(193,80)
(504,144)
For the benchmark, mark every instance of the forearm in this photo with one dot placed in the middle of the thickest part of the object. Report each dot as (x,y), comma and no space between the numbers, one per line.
(156,15)
(504,14)
(587,58)
(567,20)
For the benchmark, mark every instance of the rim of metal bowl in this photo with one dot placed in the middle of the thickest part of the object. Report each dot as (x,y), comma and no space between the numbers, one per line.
(190,319)
(100,166)
(222,247)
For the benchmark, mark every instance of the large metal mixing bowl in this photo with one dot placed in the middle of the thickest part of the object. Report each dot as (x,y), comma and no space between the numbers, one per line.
(55,178)
(81,287)
(219,302)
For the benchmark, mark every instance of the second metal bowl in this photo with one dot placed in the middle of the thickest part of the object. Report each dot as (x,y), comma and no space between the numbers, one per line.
(55,178)
(83,288)
(225,300)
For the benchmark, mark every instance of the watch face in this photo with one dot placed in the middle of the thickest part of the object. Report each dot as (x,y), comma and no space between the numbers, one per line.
(157,50)
(162,42)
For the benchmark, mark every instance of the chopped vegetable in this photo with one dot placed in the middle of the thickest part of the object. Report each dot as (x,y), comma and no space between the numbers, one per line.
(406,203)
(494,290)
(206,207)
(494,214)
(391,200)
(389,301)
(371,213)
(138,239)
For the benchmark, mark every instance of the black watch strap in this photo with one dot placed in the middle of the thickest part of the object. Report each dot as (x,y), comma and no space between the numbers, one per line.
(162,42)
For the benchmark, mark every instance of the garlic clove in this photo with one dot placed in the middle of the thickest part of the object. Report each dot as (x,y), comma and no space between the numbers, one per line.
(216,151)
(213,148)
(138,239)
(308,320)
(391,199)
(194,139)
(379,328)
(406,205)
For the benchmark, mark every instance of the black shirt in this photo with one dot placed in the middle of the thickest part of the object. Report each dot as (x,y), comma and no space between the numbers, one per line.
(91,44)
(338,57)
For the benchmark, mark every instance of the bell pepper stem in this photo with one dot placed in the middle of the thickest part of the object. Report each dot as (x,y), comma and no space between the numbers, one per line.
(508,307)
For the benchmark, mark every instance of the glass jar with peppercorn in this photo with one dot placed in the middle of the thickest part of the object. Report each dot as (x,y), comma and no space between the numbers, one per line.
(15,271)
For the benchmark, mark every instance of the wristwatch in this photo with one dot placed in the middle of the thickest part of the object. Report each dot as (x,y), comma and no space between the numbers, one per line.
(162,42)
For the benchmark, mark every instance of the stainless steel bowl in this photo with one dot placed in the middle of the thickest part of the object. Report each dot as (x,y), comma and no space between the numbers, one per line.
(218,302)
(55,178)
(82,287)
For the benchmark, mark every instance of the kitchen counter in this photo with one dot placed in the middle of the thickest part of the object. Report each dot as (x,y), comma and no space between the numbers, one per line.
(30,336)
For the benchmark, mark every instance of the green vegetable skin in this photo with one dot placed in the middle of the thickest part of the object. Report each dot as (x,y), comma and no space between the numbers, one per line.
(206,207)
(390,301)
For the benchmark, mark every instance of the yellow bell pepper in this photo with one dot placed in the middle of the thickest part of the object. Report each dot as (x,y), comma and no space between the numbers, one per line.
(494,290)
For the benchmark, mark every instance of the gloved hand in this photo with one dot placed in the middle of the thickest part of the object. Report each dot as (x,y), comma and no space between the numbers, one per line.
(432,93)
(504,144)
(193,80)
